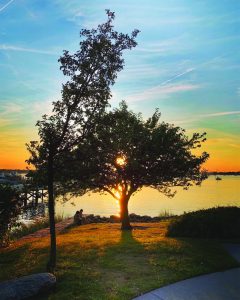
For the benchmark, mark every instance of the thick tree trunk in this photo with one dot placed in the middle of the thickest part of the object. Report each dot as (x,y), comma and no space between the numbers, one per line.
(124,214)
(51,212)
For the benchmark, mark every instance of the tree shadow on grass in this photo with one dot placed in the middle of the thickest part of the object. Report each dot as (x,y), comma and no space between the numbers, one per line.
(99,269)
(120,266)
(117,266)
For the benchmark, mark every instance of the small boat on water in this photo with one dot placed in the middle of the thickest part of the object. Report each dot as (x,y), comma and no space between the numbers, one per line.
(218,178)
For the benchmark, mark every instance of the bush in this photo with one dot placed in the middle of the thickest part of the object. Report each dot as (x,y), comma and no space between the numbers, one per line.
(10,208)
(219,222)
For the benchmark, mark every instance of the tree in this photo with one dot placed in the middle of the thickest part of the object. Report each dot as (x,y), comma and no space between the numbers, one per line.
(10,208)
(132,153)
(92,70)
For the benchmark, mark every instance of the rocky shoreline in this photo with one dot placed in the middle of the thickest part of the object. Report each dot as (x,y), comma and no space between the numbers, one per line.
(116,219)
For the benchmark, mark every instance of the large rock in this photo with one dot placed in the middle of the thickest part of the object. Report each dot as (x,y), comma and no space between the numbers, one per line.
(27,286)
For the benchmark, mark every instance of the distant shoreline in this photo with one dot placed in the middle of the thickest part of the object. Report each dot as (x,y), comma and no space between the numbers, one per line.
(224,173)
(234,173)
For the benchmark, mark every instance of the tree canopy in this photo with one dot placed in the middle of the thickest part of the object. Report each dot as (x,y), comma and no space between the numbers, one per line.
(92,70)
(130,153)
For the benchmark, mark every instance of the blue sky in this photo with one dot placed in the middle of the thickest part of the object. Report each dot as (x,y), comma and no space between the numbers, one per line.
(187,63)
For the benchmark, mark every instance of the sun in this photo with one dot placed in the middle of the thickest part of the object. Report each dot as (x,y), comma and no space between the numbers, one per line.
(121,161)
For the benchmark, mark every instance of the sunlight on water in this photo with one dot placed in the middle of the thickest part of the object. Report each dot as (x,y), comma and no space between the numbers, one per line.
(150,202)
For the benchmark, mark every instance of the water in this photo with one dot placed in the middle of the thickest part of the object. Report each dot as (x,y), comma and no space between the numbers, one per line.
(150,202)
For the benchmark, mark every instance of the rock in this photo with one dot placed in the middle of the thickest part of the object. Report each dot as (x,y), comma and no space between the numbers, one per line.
(27,286)
(156,219)
(114,219)
(133,217)
(146,218)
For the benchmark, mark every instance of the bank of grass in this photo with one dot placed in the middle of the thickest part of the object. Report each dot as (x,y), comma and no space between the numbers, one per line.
(98,261)
(217,222)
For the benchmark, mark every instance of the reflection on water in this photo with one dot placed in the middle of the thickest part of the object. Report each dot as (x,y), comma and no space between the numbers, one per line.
(31,212)
(212,193)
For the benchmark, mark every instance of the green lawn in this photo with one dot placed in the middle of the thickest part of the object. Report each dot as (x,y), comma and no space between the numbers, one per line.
(98,261)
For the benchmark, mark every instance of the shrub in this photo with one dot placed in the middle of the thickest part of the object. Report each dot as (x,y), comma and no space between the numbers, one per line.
(165,214)
(10,208)
(218,222)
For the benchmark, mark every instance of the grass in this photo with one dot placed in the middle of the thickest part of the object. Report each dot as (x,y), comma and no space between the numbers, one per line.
(33,227)
(98,261)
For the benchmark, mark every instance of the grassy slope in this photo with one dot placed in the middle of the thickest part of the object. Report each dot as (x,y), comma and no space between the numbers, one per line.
(98,261)
(31,228)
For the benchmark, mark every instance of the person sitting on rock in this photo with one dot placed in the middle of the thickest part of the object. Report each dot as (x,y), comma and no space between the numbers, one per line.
(82,218)
(77,218)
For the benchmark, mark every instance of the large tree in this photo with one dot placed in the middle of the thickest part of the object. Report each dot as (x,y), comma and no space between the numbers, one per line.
(92,70)
(131,153)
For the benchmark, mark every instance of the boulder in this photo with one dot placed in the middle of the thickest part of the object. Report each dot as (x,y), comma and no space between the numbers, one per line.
(133,217)
(114,219)
(26,286)
(105,219)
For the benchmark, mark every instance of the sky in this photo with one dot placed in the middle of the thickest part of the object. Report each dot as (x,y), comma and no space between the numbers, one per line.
(187,64)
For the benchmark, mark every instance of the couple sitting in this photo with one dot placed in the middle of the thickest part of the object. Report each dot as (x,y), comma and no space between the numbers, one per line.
(78,217)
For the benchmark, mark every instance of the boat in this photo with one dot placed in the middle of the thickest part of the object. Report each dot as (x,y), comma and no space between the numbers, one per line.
(218,178)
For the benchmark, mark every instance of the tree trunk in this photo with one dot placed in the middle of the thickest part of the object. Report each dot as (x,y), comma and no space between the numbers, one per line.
(51,212)
(124,214)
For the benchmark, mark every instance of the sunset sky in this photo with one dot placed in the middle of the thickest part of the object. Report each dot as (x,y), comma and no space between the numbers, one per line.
(187,63)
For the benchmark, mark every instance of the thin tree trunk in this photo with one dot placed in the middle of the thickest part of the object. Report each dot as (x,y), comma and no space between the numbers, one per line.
(51,212)
(124,214)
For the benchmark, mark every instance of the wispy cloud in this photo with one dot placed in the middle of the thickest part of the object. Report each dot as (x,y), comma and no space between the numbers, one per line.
(217,139)
(10,108)
(234,145)
(9,113)
(203,116)
(164,47)
(6,5)
(219,114)
(161,92)
(141,72)
(23,49)
(4,122)
(189,70)
(178,75)
(174,21)
(43,107)
(18,112)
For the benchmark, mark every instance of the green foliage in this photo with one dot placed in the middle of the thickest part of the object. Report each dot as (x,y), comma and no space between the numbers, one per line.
(91,71)
(156,154)
(126,153)
(10,208)
(219,222)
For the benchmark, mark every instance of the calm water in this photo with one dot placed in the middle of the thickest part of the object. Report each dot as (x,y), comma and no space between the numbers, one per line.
(150,202)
